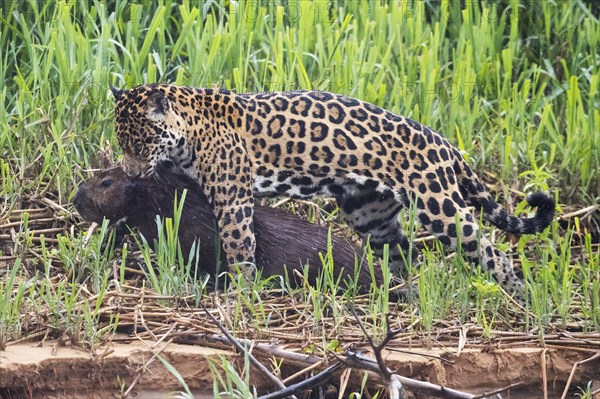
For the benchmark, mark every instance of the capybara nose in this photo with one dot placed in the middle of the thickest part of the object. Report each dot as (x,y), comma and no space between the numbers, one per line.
(77,199)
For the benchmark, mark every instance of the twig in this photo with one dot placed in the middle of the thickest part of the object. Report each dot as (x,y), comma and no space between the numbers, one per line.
(544,374)
(47,201)
(572,374)
(306,384)
(391,380)
(441,359)
(269,349)
(88,234)
(487,394)
(584,211)
(358,361)
(393,384)
(140,371)
(242,349)
(390,334)
(344,378)
(302,372)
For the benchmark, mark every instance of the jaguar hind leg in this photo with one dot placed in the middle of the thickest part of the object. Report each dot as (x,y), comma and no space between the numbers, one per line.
(374,216)
(439,215)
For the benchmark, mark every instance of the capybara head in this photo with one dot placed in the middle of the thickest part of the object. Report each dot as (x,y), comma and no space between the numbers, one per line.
(108,194)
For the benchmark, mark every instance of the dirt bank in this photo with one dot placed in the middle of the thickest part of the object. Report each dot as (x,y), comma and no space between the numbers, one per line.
(31,370)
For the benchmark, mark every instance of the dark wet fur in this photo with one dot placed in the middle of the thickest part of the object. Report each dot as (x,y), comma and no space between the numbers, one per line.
(283,240)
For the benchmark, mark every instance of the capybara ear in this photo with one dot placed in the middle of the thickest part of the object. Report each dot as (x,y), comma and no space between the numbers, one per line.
(105,156)
(157,106)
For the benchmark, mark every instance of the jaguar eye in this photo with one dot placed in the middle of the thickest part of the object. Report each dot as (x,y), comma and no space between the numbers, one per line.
(106,183)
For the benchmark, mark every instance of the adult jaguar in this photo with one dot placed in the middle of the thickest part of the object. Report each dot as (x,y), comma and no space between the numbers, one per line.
(307,143)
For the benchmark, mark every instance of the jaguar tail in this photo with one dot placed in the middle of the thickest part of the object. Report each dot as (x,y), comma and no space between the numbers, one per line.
(472,188)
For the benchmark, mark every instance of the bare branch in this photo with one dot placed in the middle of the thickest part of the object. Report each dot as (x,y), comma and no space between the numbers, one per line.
(498,391)
(436,357)
(358,361)
(244,349)
(570,380)
(352,359)
(311,382)
(393,384)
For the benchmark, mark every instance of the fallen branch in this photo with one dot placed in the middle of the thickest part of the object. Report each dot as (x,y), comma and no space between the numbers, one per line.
(391,380)
(302,372)
(577,364)
(441,359)
(142,369)
(352,359)
(487,394)
(309,383)
(244,350)
(358,361)
(544,374)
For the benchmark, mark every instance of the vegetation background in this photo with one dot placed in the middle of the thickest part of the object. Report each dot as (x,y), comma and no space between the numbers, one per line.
(514,84)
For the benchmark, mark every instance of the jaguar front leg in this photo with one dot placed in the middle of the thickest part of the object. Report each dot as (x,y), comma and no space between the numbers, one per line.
(236,231)
(233,206)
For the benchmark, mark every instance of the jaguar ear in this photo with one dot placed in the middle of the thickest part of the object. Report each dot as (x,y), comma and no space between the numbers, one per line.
(157,106)
(116,92)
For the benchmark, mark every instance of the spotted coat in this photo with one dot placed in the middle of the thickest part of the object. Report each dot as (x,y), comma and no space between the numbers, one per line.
(308,143)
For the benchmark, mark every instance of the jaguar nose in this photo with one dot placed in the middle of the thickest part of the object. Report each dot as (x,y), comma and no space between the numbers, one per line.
(134,174)
(131,171)
(132,166)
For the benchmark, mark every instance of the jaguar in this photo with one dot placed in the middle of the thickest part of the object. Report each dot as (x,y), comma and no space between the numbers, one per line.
(302,144)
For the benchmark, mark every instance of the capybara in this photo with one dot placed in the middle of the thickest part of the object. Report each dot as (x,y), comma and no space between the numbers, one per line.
(283,240)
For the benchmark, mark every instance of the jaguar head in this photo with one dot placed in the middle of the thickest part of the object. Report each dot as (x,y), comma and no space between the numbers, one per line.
(148,126)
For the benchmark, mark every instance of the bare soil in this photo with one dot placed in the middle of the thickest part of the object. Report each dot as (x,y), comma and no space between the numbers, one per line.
(32,370)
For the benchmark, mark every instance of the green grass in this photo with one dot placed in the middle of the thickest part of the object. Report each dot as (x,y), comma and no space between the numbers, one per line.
(517,96)
(515,85)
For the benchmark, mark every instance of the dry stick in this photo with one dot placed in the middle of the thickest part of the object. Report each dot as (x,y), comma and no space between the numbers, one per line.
(390,334)
(50,203)
(240,348)
(436,390)
(544,375)
(301,372)
(344,378)
(89,233)
(586,211)
(270,349)
(391,380)
(441,359)
(140,371)
(311,382)
(570,379)
(34,335)
(486,394)
(358,361)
